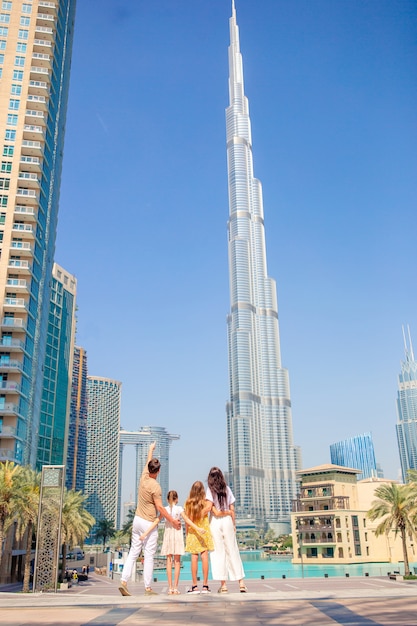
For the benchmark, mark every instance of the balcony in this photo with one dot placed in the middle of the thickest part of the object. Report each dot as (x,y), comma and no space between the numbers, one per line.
(318,540)
(34,116)
(38,87)
(318,491)
(45,19)
(31,164)
(41,59)
(7,455)
(26,213)
(37,102)
(28,196)
(325,504)
(19,266)
(9,344)
(15,324)
(18,283)
(9,387)
(32,148)
(30,179)
(7,431)
(47,7)
(8,408)
(14,304)
(24,248)
(10,365)
(44,32)
(33,132)
(24,229)
(39,73)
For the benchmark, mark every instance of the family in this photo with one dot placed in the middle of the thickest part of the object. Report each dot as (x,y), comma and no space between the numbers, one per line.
(210,529)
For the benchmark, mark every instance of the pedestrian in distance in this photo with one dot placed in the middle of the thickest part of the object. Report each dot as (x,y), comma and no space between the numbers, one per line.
(225,560)
(149,504)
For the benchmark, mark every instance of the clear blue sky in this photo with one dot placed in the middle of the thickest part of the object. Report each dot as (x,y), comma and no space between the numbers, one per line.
(332,87)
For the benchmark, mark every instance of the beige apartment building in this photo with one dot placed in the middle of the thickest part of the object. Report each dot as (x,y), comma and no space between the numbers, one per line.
(329,521)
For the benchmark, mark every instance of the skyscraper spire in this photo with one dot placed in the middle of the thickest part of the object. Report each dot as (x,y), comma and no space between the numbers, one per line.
(262,457)
(407,409)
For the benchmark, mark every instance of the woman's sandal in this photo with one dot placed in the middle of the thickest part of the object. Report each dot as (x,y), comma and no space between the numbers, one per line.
(193,589)
(175,592)
(243,589)
(170,592)
(222,589)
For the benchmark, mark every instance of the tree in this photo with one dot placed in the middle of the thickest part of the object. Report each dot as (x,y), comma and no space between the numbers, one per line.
(396,505)
(26,510)
(10,484)
(76,522)
(127,526)
(105,529)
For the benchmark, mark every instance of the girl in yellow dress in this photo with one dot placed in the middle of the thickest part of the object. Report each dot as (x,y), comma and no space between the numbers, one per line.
(200,541)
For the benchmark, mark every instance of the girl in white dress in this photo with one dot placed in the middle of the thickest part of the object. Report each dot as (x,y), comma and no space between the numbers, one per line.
(173,543)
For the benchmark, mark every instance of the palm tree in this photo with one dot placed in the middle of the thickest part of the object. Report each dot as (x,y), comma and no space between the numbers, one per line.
(127,526)
(396,505)
(27,505)
(105,528)
(76,522)
(10,484)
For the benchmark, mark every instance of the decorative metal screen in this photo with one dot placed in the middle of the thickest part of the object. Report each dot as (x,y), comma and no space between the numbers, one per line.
(49,528)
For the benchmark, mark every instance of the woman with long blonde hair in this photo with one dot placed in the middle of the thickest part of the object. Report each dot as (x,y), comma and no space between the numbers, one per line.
(198,542)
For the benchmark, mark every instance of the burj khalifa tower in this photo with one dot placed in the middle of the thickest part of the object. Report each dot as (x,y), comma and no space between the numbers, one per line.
(262,458)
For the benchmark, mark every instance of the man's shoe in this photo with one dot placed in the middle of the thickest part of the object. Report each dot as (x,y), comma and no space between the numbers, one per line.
(150,592)
(123,589)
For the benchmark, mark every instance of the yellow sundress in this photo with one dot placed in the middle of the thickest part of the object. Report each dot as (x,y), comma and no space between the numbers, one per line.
(196,543)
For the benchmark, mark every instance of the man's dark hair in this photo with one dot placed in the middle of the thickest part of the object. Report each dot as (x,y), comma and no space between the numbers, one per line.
(154,466)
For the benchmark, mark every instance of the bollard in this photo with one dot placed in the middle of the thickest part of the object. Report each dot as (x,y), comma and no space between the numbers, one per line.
(326,576)
(155,580)
(347,575)
(366,573)
(262,577)
(284,576)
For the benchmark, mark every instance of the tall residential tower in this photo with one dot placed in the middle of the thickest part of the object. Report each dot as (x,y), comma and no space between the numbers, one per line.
(407,410)
(102,464)
(262,457)
(35,56)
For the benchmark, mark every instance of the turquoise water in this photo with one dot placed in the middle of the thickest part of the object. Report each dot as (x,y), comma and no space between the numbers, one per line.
(257,564)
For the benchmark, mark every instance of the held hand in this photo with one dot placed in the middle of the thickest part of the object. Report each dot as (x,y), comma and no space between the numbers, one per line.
(202,531)
(176,524)
(152,446)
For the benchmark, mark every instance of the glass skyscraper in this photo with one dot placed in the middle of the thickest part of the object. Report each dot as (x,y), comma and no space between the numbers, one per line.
(36,41)
(56,394)
(407,410)
(261,454)
(102,465)
(141,440)
(357,453)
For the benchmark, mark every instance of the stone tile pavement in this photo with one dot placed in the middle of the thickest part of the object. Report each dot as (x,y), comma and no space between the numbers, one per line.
(290,602)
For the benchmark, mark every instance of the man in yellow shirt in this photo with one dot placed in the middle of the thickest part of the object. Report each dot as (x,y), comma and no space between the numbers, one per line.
(149,505)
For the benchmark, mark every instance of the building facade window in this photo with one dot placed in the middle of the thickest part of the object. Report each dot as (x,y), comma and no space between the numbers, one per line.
(12,119)
(16,90)
(4,18)
(21,47)
(23,34)
(14,104)
(17,75)
(8,151)
(7,6)
(19,61)
(24,21)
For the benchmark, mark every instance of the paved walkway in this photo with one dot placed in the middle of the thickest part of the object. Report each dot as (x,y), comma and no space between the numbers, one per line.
(291,602)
